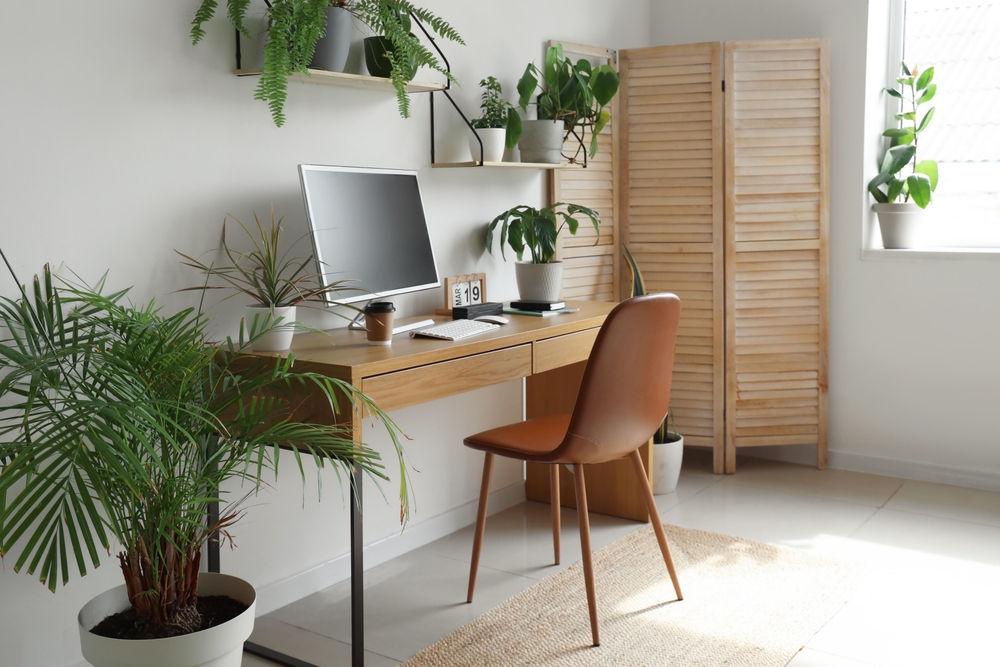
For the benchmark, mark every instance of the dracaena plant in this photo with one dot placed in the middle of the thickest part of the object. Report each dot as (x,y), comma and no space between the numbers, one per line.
(536,230)
(497,113)
(294,27)
(265,273)
(916,89)
(575,93)
(120,423)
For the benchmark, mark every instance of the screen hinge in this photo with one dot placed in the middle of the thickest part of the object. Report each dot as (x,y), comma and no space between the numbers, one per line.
(723,85)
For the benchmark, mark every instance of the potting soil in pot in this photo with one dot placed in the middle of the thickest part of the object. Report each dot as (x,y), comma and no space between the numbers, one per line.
(214,610)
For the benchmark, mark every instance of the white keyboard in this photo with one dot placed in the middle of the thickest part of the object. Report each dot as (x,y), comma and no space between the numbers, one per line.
(455,330)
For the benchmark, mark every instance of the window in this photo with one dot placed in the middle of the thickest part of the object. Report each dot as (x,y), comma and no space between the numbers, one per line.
(961,40)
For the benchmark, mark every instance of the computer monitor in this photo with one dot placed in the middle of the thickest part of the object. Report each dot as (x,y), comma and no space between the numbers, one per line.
(368,226)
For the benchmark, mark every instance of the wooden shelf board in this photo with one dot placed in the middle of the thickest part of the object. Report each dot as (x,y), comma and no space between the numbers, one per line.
(522,165)
(344,80)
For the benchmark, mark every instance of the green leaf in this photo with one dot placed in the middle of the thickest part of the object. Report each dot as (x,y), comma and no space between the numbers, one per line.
(897,158)
(925,78)
(894,190)
(514,128)
(878,195)
(901,132)
(604,83)
(930,169)
(893,92)
(920,189)
(909,115)
(925,120)
(928,94)
(526,85)
(906,81)
(906,70)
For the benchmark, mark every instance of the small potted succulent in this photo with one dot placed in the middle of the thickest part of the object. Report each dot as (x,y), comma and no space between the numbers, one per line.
(295,26)
(276,282)
(119,426)
(573,101)
(899,221)
(536,230)
(498,126)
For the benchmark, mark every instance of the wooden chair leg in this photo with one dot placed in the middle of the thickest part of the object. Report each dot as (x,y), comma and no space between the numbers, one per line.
(654,518)
(556,508)
(588,555)
(477,543)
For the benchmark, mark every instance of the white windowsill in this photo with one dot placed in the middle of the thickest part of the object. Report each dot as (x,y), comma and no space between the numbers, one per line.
(881,254)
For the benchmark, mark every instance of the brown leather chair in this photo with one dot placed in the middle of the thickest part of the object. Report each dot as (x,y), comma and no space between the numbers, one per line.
(624,396)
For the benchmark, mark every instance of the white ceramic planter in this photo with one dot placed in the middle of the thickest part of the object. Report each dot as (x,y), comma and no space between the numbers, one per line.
(667,459)
(494,142)
(279,337)
(900,224)
(539,282)
(541,141)
(221,646)
(333,48)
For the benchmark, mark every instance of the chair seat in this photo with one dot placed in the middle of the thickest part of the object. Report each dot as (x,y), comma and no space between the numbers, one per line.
(532,440)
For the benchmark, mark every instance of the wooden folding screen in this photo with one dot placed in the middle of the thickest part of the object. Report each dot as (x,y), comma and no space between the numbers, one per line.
(747,254)
(777,201)
(671,191)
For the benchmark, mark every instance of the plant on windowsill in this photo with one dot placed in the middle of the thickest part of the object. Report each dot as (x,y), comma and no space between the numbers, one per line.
(498,126)
(898,221)
(667,443)
(295,26)
(276,282)
(537,230)
(573,101)
(119,425)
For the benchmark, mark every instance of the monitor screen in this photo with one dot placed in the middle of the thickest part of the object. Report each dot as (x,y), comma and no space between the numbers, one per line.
(368,226)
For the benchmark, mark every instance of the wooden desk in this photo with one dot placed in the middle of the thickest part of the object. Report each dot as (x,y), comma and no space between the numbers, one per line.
(550,351)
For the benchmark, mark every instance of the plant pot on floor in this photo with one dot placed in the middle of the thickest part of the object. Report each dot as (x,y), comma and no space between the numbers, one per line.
(279,337)
(494,142)
(900,224)
(220,646)
(541,141)
(667,459)
(539,282)
(333,48)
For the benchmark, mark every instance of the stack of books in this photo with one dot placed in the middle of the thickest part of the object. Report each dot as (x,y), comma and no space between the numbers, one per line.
(538,308)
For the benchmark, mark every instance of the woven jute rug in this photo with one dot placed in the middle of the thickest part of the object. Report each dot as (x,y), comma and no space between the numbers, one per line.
(745,604)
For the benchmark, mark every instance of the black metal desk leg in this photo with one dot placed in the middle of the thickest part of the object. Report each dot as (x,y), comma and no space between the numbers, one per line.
(357,572)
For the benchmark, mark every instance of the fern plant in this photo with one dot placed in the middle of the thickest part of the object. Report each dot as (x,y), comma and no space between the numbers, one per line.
(294,27)
(109,415)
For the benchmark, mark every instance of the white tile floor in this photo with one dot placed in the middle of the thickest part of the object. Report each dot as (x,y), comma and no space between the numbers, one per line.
(930,599)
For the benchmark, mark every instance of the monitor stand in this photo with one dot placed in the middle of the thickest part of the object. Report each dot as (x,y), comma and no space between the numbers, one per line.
(356,325)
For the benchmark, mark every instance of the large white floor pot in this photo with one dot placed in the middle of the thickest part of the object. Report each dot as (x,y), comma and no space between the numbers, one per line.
(539,282)
(279,337)
(221,646)
(900,224)
(667,458)
(494,142)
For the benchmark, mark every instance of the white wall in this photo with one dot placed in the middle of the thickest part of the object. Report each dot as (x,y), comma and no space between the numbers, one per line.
(914,360)
(121,142)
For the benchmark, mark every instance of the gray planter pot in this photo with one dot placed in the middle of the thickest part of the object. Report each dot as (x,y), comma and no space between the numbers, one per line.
(333,48)
(539,282)
(900,224)
(541,141)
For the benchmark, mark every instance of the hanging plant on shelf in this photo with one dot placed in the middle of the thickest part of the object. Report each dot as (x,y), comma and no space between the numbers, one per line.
(294,27)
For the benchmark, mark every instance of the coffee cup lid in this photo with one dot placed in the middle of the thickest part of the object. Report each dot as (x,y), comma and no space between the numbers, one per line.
(380,307)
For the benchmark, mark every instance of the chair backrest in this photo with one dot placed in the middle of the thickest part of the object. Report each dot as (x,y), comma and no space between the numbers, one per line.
(625,393)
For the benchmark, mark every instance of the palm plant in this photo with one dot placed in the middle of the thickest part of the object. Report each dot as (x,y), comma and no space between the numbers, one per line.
(119,423)
(294,27)
(536,230)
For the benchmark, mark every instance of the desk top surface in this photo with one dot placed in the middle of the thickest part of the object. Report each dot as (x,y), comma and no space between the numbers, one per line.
(347,354)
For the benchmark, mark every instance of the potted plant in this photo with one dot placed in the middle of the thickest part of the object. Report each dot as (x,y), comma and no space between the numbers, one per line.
(573,101)
(498,126)
(295,26)
(536,230)
(333,48)
(276,282)
(119,424)
(668,445)
(899,221)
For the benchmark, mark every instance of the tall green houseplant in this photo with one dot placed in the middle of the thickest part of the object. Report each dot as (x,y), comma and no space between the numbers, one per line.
(120,423)
(294,27)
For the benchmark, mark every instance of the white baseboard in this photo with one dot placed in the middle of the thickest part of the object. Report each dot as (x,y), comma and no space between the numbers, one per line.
(280,593)
(880,465)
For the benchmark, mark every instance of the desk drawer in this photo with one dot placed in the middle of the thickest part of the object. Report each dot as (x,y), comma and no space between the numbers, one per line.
(427,383)
(563,350)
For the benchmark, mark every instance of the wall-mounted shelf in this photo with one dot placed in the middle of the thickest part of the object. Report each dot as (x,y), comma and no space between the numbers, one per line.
(522,165)
(321,77)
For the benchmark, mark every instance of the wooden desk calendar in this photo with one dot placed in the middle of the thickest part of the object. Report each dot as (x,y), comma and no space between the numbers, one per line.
(463,291)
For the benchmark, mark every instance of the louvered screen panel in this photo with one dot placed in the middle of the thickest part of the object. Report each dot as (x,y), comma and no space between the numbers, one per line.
(777,199)
(672,214)
(590,271)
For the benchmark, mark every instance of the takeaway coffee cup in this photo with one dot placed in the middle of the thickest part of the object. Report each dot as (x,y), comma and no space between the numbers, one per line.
(378,321)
